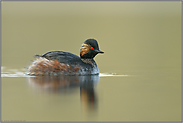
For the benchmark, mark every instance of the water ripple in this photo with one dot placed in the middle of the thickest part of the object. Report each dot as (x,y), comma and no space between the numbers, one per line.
(22,73)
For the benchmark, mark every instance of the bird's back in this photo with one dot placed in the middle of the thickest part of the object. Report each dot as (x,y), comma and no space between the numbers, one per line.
(62,57)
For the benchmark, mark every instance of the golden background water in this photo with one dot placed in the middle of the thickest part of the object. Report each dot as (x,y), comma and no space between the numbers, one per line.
(140,39)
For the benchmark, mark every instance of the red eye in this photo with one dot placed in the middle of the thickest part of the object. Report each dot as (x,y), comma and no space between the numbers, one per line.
(92,48)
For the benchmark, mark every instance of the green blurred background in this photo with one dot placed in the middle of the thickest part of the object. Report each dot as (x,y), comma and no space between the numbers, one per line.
(131,33)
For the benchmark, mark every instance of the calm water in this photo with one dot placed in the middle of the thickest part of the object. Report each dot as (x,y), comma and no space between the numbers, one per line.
(140,71)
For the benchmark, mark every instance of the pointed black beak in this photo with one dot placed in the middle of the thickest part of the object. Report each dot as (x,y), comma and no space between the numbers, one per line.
(99,51)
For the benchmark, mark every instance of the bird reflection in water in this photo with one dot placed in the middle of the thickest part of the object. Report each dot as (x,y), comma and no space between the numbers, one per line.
(87,92)
(59,84)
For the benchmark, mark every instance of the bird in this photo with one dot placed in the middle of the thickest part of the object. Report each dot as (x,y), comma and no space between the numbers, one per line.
(57,63)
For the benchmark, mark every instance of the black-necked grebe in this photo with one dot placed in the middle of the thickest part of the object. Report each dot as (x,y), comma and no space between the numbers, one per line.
(65,63)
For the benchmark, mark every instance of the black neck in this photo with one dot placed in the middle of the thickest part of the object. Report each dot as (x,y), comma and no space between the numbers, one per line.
(88,61)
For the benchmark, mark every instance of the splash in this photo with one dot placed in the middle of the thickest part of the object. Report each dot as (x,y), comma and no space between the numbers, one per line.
(6,72)
(113,74)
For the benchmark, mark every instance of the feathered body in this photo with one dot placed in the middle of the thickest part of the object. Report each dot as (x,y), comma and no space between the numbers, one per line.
(65,63)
